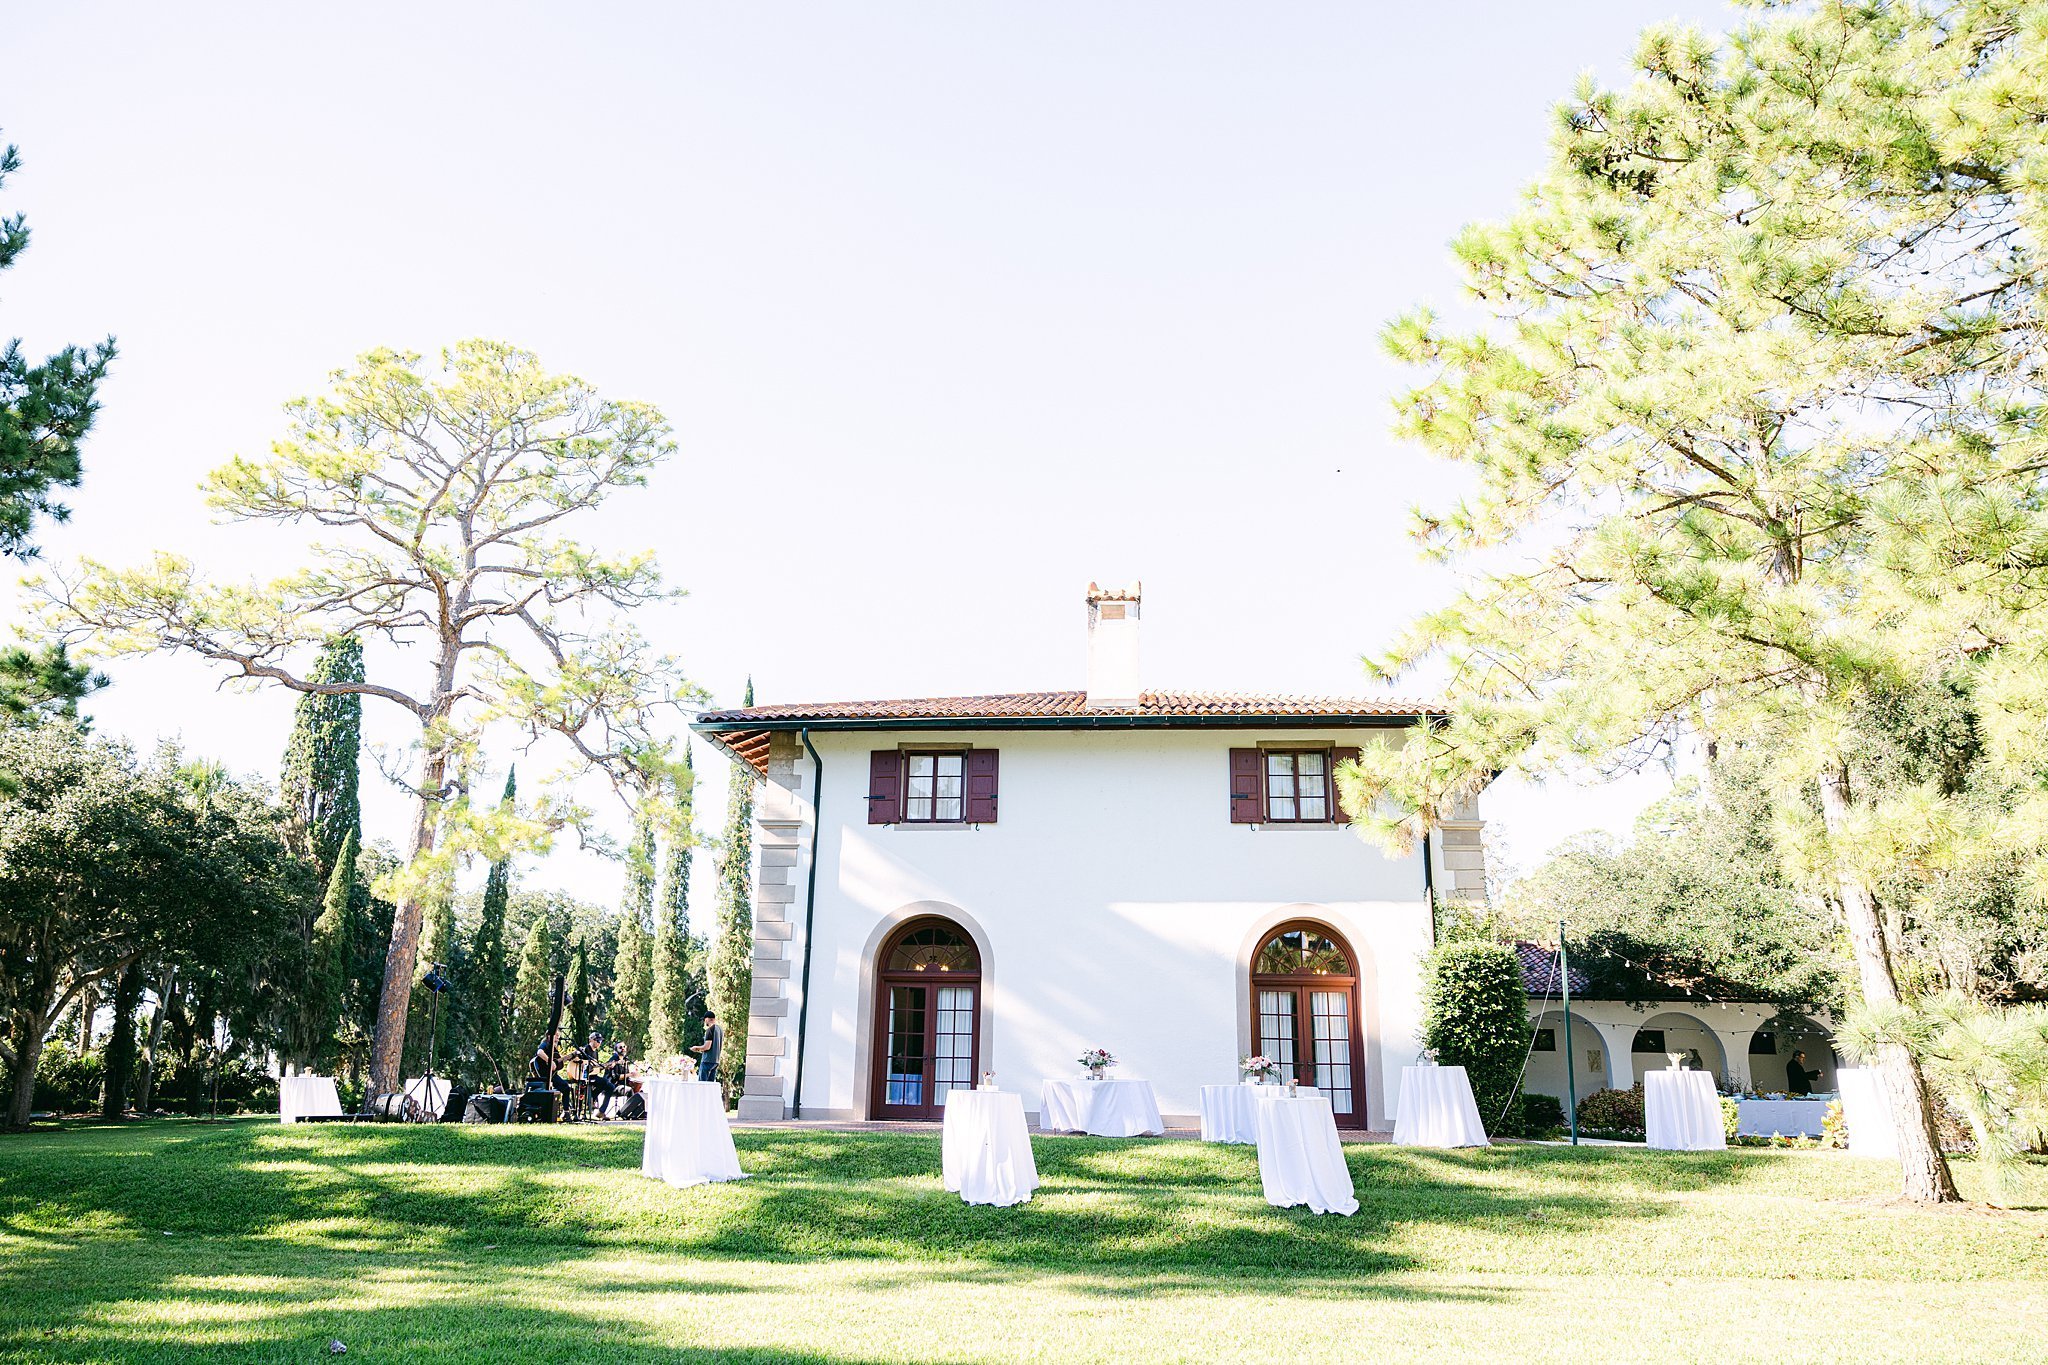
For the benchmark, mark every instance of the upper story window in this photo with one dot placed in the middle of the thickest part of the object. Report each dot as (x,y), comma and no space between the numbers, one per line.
(1298,786)
(932,791)
(932,786)
(1287,786)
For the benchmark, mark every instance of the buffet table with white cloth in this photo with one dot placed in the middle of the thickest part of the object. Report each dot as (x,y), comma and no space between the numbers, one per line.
(305,1097)
(1437,1109)
(1682,1112)
(1788,1117)
(1102,1108)
(1230,1113)
(985,1148)
(688,1139)
(1300,1159)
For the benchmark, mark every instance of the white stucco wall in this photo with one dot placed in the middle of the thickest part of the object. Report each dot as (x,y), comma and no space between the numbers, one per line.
(1116,906)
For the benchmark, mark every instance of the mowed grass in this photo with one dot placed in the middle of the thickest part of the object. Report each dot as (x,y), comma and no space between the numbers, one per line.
(248,1241)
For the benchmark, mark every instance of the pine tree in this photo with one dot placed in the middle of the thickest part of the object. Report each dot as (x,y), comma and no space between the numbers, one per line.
(45,412)
(675,1019)
(731,973)
(487,979)
(327,976)
(533,989)
(633,968)
(323,758)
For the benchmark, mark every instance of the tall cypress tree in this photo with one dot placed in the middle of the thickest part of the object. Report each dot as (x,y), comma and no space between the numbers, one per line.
(579,993)
(487,978)
(731,973)
(633,968)
(319,1009)
(673,1012)
(322,761)
(532,990)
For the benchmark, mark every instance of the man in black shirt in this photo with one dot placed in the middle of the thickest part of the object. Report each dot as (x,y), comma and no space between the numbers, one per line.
(708,1050)
(1798,1080)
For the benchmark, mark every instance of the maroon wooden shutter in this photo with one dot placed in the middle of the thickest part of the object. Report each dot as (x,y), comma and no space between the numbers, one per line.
(981,786)
(885,787)
(1247,787)
(1337,811)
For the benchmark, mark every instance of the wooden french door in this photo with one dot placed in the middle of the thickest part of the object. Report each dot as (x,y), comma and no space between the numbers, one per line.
(1305,1016)
(928,1021)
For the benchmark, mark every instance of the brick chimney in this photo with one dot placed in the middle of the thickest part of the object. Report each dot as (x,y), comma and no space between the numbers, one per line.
(1113,645)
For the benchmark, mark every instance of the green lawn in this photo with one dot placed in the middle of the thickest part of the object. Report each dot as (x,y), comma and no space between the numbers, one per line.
(249,1241)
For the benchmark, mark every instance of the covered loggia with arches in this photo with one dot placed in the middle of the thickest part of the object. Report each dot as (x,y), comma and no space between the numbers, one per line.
(1772,1049)
(1661,1035)
(1589,1056)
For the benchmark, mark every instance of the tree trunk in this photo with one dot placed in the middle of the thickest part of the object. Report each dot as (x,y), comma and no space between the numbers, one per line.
(121,1042)
(1927,1178)
(387,1050)
(23,1100)
(166,989)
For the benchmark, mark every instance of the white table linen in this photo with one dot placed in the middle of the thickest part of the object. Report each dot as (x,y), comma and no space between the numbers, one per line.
(688,1140)
(433,1099)
(1437,1109)
(1230,1113)
(985,1148)
(1300,1159)
(1682,1112)
(302,1097)
(1867,1109)
(1791,1118)
(1118,1108)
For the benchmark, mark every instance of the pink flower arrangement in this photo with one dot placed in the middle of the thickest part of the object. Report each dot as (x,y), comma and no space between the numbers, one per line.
(1097,1060)
(1259,1067)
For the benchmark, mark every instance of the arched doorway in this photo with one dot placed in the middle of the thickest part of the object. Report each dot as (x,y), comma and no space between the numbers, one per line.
(927,1036)
(1661,1036)
(1305,1014)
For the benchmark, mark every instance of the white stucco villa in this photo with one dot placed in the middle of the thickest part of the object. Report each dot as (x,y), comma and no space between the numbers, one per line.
(952,886)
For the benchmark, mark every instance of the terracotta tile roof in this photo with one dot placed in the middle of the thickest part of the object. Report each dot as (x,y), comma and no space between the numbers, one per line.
(744,732)
(1539,971)
(1018,704)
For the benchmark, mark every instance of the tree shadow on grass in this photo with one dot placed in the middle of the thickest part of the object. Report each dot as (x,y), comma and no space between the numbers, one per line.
(1132,1207)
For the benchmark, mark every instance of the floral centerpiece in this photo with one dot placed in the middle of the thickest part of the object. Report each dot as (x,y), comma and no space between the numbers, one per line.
(1097,1060)
(1259,1068)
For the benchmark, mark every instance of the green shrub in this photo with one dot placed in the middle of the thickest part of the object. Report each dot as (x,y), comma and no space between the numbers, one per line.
(1731,1115)
(68,1082)
(1475,1014)
(1537,1115)
(1613,1113)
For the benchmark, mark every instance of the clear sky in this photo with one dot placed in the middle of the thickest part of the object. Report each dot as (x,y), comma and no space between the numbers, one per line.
(954,306)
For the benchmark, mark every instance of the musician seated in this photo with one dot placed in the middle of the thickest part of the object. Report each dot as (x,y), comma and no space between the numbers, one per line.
(546,1068)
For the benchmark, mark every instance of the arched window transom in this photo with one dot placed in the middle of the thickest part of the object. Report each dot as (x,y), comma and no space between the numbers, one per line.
(1301,952)
(934,947)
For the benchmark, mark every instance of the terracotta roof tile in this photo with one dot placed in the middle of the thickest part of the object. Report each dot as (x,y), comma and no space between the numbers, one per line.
(1006,705)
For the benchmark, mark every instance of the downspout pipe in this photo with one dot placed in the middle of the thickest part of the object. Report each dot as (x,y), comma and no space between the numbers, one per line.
(803,1007)
(1429,887)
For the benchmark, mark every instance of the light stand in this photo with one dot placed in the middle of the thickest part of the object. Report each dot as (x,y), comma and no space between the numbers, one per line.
(435,984)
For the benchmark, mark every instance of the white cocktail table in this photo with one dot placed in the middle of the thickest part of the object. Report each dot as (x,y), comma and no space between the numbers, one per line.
(1682,1112)
(688,1140)
(1119,1108)
(1300,1159)
(1230,1113)
(1437,1109)
(985,1148)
